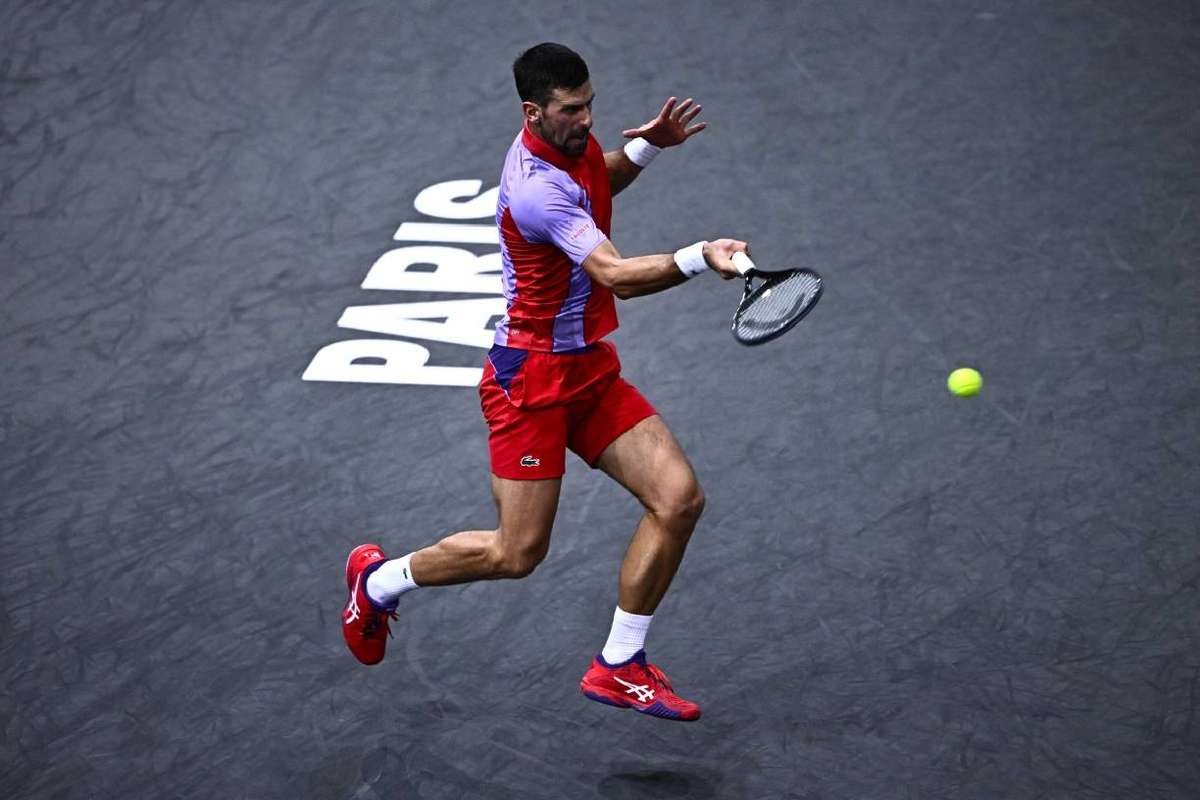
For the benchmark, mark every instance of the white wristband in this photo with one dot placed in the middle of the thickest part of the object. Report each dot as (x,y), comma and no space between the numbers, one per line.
(690,259)
(641,152)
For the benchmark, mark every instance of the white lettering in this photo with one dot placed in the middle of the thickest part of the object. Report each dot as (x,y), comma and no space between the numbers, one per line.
(425,268)
(438,200)
(387,361)
(465,320)
(455,270)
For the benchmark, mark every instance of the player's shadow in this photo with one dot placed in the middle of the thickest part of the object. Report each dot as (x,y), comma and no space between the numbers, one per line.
(629,781)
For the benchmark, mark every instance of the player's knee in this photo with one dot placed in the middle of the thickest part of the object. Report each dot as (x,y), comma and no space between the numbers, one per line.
(517,562)
(693,504)
(520,565)
(697,502)
(682,506)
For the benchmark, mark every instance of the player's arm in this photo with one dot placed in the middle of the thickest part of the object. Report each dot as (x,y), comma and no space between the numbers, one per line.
(621,170)
(634,277)
(670,128)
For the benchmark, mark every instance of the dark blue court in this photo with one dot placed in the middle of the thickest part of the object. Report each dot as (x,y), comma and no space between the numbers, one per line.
(894,593)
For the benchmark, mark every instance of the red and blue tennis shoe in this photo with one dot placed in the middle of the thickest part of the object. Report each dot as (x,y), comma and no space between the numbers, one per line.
(365,623)
(636,684)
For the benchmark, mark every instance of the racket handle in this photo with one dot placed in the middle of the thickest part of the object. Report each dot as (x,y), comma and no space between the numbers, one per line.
(742,262)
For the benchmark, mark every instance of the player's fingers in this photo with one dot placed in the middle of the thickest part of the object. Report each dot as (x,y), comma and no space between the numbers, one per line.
(632,133)
(737,246)
(680,109)
(690,115)
(667,106)
(717,256)
(699,126)
(725,248)
(726,268)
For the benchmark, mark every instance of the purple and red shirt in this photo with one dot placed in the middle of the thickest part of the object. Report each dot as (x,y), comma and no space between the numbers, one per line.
(552,212)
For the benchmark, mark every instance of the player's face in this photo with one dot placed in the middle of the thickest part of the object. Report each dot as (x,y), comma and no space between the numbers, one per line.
(566,120)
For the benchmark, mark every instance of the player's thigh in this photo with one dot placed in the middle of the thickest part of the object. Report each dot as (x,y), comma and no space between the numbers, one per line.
(597,422)
(526,509)
(648,461)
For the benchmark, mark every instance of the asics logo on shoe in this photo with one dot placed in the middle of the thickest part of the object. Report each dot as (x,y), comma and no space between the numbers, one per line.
(644,693)
(352,612)
(530,461)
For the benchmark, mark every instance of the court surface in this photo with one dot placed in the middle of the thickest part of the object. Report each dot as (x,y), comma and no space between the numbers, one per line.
(894,593)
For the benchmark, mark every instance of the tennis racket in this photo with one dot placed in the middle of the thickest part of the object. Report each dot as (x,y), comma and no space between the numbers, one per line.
(778,302)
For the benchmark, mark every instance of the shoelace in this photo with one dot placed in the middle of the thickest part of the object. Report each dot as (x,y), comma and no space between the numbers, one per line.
(660,677)
(371,624)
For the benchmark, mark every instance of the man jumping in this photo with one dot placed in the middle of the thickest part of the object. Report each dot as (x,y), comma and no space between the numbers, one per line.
(551,382)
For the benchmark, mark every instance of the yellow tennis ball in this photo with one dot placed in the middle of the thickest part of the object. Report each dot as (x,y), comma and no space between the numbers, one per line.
(964,382)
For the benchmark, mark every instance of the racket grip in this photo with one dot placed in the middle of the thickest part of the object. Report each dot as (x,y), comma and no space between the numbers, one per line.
(742,262)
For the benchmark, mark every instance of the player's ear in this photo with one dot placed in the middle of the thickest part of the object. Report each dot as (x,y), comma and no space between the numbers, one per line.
(532,112)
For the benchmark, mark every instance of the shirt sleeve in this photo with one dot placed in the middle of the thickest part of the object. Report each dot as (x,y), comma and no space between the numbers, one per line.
(546,214)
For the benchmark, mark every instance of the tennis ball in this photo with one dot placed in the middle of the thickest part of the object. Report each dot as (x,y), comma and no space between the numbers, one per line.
(964,382)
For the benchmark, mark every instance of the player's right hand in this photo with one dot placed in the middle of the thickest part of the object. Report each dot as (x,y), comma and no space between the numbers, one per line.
(719,255)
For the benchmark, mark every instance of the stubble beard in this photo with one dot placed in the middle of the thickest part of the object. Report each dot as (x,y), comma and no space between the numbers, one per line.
(575,147)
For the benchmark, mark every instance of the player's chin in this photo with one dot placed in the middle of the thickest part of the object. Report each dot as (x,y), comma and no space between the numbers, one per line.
(575,146)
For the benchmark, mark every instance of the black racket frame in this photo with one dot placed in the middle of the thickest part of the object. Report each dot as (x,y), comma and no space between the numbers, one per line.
(769,279)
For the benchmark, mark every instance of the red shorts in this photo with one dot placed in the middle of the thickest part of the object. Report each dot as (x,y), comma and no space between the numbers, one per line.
(539,404)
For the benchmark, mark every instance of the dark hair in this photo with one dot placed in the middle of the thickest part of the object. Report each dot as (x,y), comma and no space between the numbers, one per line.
(545,67)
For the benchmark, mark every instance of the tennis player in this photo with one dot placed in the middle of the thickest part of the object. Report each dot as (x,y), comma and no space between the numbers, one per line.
(552,382)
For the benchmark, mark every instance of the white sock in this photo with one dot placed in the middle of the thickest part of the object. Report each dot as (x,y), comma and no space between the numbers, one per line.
(628,635)
(389,581)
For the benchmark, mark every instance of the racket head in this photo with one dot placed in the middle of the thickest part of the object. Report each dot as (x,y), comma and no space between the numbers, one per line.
(775,305)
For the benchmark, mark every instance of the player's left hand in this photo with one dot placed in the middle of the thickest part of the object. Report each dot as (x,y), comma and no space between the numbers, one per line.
(670,127)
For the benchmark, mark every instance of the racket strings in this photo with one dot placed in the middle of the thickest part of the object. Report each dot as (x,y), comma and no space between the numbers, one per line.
(776,304)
